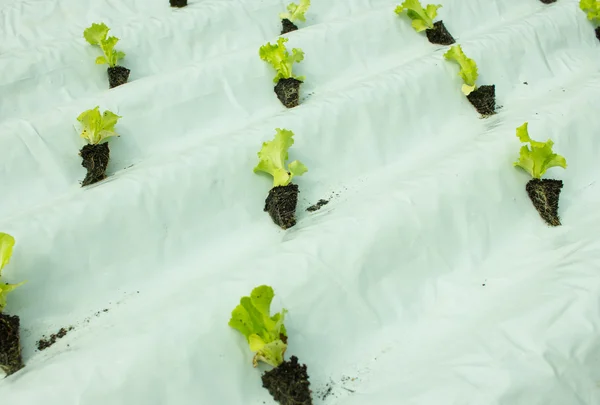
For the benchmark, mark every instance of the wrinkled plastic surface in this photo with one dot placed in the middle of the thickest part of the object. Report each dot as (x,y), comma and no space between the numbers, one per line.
(429,278)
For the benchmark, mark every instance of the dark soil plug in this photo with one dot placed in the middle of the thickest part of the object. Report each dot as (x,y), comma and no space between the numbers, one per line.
(317,206)
(439,34)
(117,76)
(484,100)
(288,384)
(288,91)
(95,160)
(544,195)
(548,1)
(281,205)
(43,344)
(287,26)
(178,3)
(598,33)
(10,345)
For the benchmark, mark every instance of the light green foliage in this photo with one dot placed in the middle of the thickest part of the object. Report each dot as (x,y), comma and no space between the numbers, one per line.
(296,11)
(540,157)
(468,68)
(422,18)
(97,127)
(274,154)
(97,35)
(6,247)
(264,332)
(278,56)
(592,9)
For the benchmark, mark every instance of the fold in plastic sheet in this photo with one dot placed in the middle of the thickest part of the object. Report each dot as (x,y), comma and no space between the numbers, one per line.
(428,278)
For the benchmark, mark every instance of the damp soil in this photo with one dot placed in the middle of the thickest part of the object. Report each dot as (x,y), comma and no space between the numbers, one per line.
(484,100)
(544,194)
(317,206)
(178,3)
(439,34)
(598,33)
(46,342)
(287,26)
(10,345)
(117,76)
(95,160)
(288,92)
(548,1)
(281,205)
(288,384)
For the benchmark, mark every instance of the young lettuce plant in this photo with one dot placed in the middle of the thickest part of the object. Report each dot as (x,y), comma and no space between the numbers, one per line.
(483,98)
(592,10)
(535,160)
(283,197)
(295,13)
(96,128)
(422,20)
(10,342)
(97,34)
(266,335)
(287,88)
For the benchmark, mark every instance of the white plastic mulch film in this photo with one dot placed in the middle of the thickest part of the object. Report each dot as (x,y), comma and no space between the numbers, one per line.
(428,278)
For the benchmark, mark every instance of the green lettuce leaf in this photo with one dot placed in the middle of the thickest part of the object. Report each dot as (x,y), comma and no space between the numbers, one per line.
(7,242)
(266,334)
(274,154)
(468,68)
(278,56)
(96,35)
(540,157)
(422,18)
(97,127)
(592,9)
(296,11)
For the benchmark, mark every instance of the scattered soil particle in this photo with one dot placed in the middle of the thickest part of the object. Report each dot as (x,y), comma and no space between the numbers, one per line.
(10,345)
(439,34)
(484,100)
(525,83)
(317,206)
(281,205)
(544,194)
(548,1)
(325,392)
(288,91)
(287,26)
(288,384)
(95,160)
(45,343)
(117,76)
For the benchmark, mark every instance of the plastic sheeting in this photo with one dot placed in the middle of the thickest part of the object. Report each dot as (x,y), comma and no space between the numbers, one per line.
(428,278)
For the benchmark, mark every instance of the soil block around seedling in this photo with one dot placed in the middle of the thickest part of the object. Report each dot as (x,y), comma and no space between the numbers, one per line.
(287,26)
(548,1)
(484,100)
(288,91)
(288,384)
(544,195)
(95,160)
(598,33)
(439,34)
(178,3)
(281,205)
(10,345)
(117,76)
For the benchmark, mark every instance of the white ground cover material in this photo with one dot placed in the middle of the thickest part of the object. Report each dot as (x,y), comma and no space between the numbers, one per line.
(428,279)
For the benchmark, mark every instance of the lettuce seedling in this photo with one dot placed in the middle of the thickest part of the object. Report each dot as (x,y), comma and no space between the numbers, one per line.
(274,154)
(96,128)
(422,18)
(295,13)
(278,56)
(535,160)
(539,157)
(592,10)
(97,34)
(6,247)
(266,334)
(468,68)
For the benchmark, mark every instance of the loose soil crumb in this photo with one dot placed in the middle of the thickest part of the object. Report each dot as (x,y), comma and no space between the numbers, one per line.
(325,392)
(317,206)
(44,343)
(439,34)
